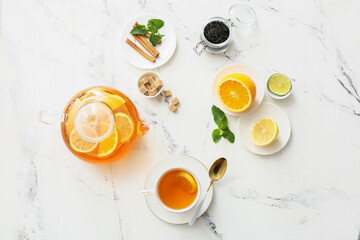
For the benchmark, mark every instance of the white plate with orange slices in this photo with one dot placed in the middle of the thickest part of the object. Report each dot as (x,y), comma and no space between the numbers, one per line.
(265,131)
(238,90)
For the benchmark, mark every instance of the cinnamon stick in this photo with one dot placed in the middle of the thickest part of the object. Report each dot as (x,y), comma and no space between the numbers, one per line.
(146,35)
(146,44)
(133,45)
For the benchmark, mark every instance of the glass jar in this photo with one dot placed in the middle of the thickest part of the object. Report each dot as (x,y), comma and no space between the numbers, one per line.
(241,16)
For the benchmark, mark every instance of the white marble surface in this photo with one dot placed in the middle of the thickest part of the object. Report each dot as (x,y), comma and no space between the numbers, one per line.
(51,49)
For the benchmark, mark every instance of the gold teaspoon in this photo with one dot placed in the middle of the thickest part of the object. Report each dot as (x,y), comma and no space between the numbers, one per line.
(216,172)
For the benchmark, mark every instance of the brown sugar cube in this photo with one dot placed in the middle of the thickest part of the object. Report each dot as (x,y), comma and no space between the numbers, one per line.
(175,101)
(152,92)
(152,82)
(172,108)
(143,90)
(167,93)
(143,81)
(148,86)
(158,84)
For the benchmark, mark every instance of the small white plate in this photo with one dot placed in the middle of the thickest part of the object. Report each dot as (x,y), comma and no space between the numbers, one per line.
(265,110)
(166,48)
(177,161)
(239,68)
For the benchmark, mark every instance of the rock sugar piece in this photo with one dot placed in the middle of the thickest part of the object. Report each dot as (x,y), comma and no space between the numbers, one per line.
(167,93)
(143,81)
(143,90)
(148,86)
(152,92)
(175,101)
(158,84)
(172,108)
(152,82)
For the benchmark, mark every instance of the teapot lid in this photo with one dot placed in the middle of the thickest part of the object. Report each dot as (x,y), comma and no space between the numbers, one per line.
(94,121)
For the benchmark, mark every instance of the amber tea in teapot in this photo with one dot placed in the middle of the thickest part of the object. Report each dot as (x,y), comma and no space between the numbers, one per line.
(101,125)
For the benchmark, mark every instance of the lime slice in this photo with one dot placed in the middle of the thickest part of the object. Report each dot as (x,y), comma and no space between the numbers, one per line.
(279,84)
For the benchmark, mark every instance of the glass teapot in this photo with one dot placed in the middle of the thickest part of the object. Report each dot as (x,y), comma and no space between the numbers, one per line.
(99,125)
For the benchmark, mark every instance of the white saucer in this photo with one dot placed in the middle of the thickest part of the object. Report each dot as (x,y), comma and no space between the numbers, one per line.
(166,48)
(265,110)
(177,161)
(239,68)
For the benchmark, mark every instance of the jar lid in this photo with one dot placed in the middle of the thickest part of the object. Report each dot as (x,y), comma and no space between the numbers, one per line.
(94,122)
(242,16)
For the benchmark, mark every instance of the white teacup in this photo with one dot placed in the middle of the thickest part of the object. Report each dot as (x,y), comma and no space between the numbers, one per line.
(156,191)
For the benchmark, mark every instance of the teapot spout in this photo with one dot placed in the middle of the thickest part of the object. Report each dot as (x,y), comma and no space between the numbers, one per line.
(143,127)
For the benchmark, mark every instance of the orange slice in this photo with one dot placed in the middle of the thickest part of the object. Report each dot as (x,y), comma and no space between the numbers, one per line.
(186,182)
(125,126)
(114,101)
(80,145)
(108,146)
(236,92)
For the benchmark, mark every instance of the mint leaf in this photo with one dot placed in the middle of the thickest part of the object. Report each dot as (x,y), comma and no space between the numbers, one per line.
(216,135)
(152,26)
(219,117)
(223,123)
(229,135)
(217,113)
(139,29)
(153,39)
(156,22)
(159,36)
(223,131)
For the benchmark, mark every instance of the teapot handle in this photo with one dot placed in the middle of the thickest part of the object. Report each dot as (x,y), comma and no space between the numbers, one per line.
(50,117)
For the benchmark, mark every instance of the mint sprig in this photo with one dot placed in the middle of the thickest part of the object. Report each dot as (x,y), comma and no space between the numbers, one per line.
(223,130)
(139,29)
(154,37)
(156,23)
(153,26)
(216,135)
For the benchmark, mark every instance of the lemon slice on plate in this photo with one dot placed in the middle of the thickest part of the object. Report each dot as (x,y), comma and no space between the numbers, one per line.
(80,145)
(264,132)
(186,182)
(114,101)
(125,126)
(236,92)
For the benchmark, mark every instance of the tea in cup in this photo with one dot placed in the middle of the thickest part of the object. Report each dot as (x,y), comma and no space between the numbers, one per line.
(177,190)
